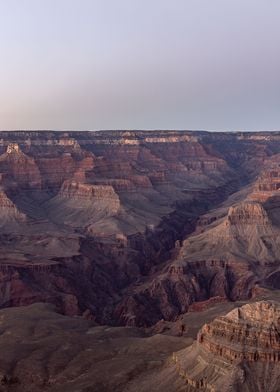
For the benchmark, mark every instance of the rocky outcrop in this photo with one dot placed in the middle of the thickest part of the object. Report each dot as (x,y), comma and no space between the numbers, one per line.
(249,333)
(19,168)
(247,213)
(83,205)
(246,233)
(269,181)
(181,285)
(13,148)
(57,169)
(239,351)
(8,210)
(267,184)
(79,191)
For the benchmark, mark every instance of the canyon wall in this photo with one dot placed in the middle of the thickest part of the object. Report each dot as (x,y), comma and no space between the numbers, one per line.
(239,351)
(133,226)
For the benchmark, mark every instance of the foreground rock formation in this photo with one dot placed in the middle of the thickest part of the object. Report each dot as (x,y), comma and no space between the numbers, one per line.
(42,350)
(236,352)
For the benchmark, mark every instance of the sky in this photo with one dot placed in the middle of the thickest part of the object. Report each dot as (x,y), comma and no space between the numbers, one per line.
(140,64)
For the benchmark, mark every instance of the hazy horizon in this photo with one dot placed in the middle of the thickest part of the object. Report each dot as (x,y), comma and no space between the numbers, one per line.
(140,65)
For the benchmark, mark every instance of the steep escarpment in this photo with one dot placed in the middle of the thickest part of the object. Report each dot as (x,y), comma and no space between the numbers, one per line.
(59,167)
(249,333)
(9,213)
(81,205)
(239,351)
(172,292)
(19,169)
(247,214)
(228,261)
(240,234)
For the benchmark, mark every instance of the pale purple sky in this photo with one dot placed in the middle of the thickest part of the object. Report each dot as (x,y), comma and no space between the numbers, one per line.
(140,64)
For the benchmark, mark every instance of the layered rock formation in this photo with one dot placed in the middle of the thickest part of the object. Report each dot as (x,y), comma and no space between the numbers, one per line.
(84,205)
(79,191)
(18,169)
(8,210)
(239,351)
(228,260)
(247,214)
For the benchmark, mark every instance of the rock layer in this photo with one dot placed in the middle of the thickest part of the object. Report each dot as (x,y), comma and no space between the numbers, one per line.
(250,333)
(239,351)
(247,213)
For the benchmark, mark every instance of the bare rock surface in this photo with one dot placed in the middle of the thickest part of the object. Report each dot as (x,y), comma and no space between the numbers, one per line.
(236,352)
(42,350)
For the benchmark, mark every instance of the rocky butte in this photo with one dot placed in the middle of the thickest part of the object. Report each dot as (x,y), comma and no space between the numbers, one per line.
(236,352)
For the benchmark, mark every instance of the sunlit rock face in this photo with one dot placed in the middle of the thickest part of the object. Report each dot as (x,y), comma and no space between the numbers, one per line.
(13,148)
(236,352)
(19,168)
(248,333)
(247,214)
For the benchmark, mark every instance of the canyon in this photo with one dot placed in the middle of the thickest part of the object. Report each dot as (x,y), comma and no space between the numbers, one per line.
(135,232)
